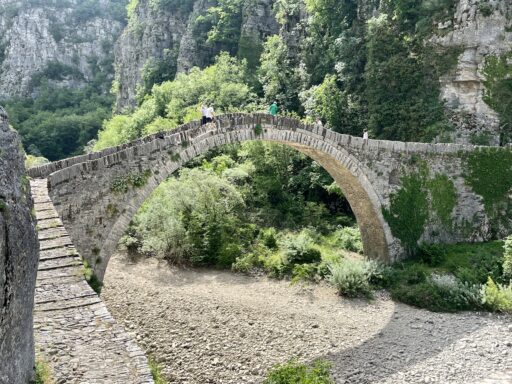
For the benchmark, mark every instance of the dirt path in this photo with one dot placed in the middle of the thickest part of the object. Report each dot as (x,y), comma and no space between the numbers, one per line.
(218,327)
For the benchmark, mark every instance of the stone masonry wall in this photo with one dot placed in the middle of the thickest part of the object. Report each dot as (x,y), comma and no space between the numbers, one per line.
(97,195)
(19,253)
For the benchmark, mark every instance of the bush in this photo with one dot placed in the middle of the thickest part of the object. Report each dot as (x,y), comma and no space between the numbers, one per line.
(299,249)
(294,372)
(246,263)
(304,272)
(350,239)
(507,259)
(269,238)
(432,254)
(497,297)
(352,277)
(440,293)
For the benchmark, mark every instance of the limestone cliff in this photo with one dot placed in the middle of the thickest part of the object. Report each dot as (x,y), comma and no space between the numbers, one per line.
(70,42)
(162,41)
(19,253)
(482,29)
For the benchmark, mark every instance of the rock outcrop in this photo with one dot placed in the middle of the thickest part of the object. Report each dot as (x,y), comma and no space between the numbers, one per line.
(480,29)
(19,253)
(162,41)
(70,42)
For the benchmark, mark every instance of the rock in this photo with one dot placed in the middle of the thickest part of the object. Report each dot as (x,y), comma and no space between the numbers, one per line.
(19,254)
(61,32)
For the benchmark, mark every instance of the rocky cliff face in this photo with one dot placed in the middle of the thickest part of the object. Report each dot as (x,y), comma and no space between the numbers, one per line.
(160,42)
(481,30)
(19,253)
(69,41)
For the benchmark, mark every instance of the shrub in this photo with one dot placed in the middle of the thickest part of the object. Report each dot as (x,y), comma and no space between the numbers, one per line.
(304,272)
(432,254)
(352,277)
(269,238)
(350,239)
(497,297)
(294,372)
(440,293)
(246,263)
(299,249)
(507,259)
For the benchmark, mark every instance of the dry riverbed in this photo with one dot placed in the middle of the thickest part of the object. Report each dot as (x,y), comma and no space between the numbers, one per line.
(217,327)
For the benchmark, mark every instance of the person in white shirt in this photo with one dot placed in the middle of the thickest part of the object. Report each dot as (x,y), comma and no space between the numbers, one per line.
(318,122)
(203,113)
(365,135)
(210,114)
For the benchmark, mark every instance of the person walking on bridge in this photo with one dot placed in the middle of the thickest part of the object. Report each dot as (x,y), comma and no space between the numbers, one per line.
(210,114)
(273,109)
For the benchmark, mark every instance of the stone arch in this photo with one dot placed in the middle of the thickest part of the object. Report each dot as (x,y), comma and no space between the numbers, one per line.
(345,169)
(81,190)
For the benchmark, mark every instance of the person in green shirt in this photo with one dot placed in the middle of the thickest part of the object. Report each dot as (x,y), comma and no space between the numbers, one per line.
(273,109)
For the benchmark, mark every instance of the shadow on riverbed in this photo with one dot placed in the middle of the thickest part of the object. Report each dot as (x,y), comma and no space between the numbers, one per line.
(409,339)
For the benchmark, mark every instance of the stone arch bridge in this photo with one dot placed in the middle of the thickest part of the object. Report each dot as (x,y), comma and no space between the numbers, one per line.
(401,193)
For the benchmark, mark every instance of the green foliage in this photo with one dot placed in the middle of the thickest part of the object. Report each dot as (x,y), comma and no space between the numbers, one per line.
(122,184)
(156,371)
(60,121)
(294,372)
(175,102)
(299,249)
(352,277)
(498,91)
(43,373)
(408,212)
(440,293)
(349,238)
(489,174)
(35,161)
(432,254)
(91,277)
(497,297)
(446,278)
(444,198)
(507,259)
(402,89)
(193,219)
(279,76)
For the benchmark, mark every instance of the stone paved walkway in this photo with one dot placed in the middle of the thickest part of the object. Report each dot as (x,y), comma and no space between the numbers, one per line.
(74,331)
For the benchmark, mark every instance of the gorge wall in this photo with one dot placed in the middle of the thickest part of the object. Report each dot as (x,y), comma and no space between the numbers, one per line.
(482,30)
(69,42)
(163,40)
(19,253)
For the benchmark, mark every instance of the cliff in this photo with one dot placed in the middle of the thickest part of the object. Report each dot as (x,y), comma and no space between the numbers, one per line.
(161,41)
(68,42)
(482,30)
(19,253)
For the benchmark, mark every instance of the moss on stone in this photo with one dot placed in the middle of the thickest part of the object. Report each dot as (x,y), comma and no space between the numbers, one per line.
(408,212)
(489,174)
(444,198)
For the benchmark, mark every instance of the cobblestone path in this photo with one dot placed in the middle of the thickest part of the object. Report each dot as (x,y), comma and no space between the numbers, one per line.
(74,332)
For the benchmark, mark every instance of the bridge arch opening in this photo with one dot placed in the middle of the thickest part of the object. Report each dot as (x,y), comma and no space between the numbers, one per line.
(96,231)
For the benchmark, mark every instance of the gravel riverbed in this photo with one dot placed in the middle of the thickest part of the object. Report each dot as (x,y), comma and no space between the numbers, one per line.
(207,326)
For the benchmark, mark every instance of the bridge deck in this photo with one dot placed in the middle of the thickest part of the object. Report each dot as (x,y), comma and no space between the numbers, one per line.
(74,331)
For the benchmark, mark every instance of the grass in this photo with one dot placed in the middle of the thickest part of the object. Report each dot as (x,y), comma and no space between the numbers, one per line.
(156,371)
(43,373)
(294,372)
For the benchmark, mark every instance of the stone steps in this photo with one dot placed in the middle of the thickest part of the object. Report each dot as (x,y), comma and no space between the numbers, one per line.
(74,331)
